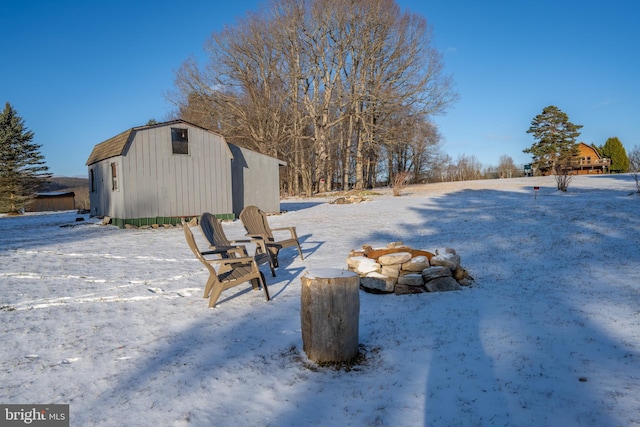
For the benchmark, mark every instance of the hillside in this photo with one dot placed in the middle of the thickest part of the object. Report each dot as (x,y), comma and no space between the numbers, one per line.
(113,321)
(80,186)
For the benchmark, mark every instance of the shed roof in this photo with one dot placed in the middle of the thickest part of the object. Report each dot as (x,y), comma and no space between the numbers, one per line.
(115,146)
(55,194)
(255,153)
(110,148)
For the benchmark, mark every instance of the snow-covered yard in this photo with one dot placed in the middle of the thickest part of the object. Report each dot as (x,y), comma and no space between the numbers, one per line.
(113,321)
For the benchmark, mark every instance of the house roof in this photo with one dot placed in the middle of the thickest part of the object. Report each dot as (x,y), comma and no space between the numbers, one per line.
(583,146)
(115,146)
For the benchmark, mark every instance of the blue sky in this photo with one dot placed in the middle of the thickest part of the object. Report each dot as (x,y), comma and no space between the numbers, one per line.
(80,72)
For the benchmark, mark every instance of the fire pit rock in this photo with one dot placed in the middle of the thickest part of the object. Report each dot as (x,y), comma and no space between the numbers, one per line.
(403,270)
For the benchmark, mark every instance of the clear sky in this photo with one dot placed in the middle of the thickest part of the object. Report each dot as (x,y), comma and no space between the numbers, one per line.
(80,72)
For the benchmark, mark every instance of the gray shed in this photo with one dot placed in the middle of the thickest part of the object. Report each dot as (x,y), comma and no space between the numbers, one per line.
(160,173)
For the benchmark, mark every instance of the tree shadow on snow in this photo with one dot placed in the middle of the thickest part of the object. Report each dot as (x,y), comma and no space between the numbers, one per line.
(293,206)
(32,231)
(533,354)
(520,347)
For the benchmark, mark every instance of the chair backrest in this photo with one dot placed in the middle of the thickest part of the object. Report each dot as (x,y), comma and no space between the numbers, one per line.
(191,241)
(255,221)
(212,229)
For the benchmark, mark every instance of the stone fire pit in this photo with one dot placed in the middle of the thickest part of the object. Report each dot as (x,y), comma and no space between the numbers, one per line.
(403,270)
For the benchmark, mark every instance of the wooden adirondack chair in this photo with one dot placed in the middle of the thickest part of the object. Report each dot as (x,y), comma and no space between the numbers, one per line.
(212,230)
(233,271)
(255,222)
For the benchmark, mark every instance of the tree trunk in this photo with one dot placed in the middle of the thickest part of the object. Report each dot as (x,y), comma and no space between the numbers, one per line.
(329,313)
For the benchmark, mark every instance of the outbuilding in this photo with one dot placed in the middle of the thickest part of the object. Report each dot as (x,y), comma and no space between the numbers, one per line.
(159,173)
(54,201)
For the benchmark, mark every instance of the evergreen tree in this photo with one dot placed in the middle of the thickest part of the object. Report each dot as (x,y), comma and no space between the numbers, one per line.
(555,145)
(614,150)
(22,168)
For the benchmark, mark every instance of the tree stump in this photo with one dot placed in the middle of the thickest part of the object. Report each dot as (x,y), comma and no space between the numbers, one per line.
(329,313)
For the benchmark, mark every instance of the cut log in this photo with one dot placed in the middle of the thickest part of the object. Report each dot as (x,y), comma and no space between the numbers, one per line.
(329,314)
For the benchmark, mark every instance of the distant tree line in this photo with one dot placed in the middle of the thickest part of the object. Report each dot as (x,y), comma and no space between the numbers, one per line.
(344,92)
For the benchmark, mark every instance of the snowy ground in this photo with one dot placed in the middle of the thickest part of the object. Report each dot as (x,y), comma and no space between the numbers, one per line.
(113,322)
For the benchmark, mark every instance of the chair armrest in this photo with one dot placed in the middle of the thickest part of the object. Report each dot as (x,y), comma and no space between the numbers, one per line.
(244,259)
(240,241)
(291,230)
(231,261)
(257,236)
(260,243)
(214,251)
(221,250)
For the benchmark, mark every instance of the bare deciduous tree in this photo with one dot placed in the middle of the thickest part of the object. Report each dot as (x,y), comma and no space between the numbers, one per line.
(506,167)
(634,166)
(325,85)
(562,175)
(400,180)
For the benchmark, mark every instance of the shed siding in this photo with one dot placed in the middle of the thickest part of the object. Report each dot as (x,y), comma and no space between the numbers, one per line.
(158,183)
(256,180)
(105,201)
(117,196)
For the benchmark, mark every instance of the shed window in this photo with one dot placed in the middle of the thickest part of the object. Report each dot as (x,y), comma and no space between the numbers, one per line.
(114,176)
(180,141)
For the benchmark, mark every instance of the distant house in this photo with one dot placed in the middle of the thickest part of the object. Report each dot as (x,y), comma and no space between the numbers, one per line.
(160,173)
(589,161)
(54,201)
